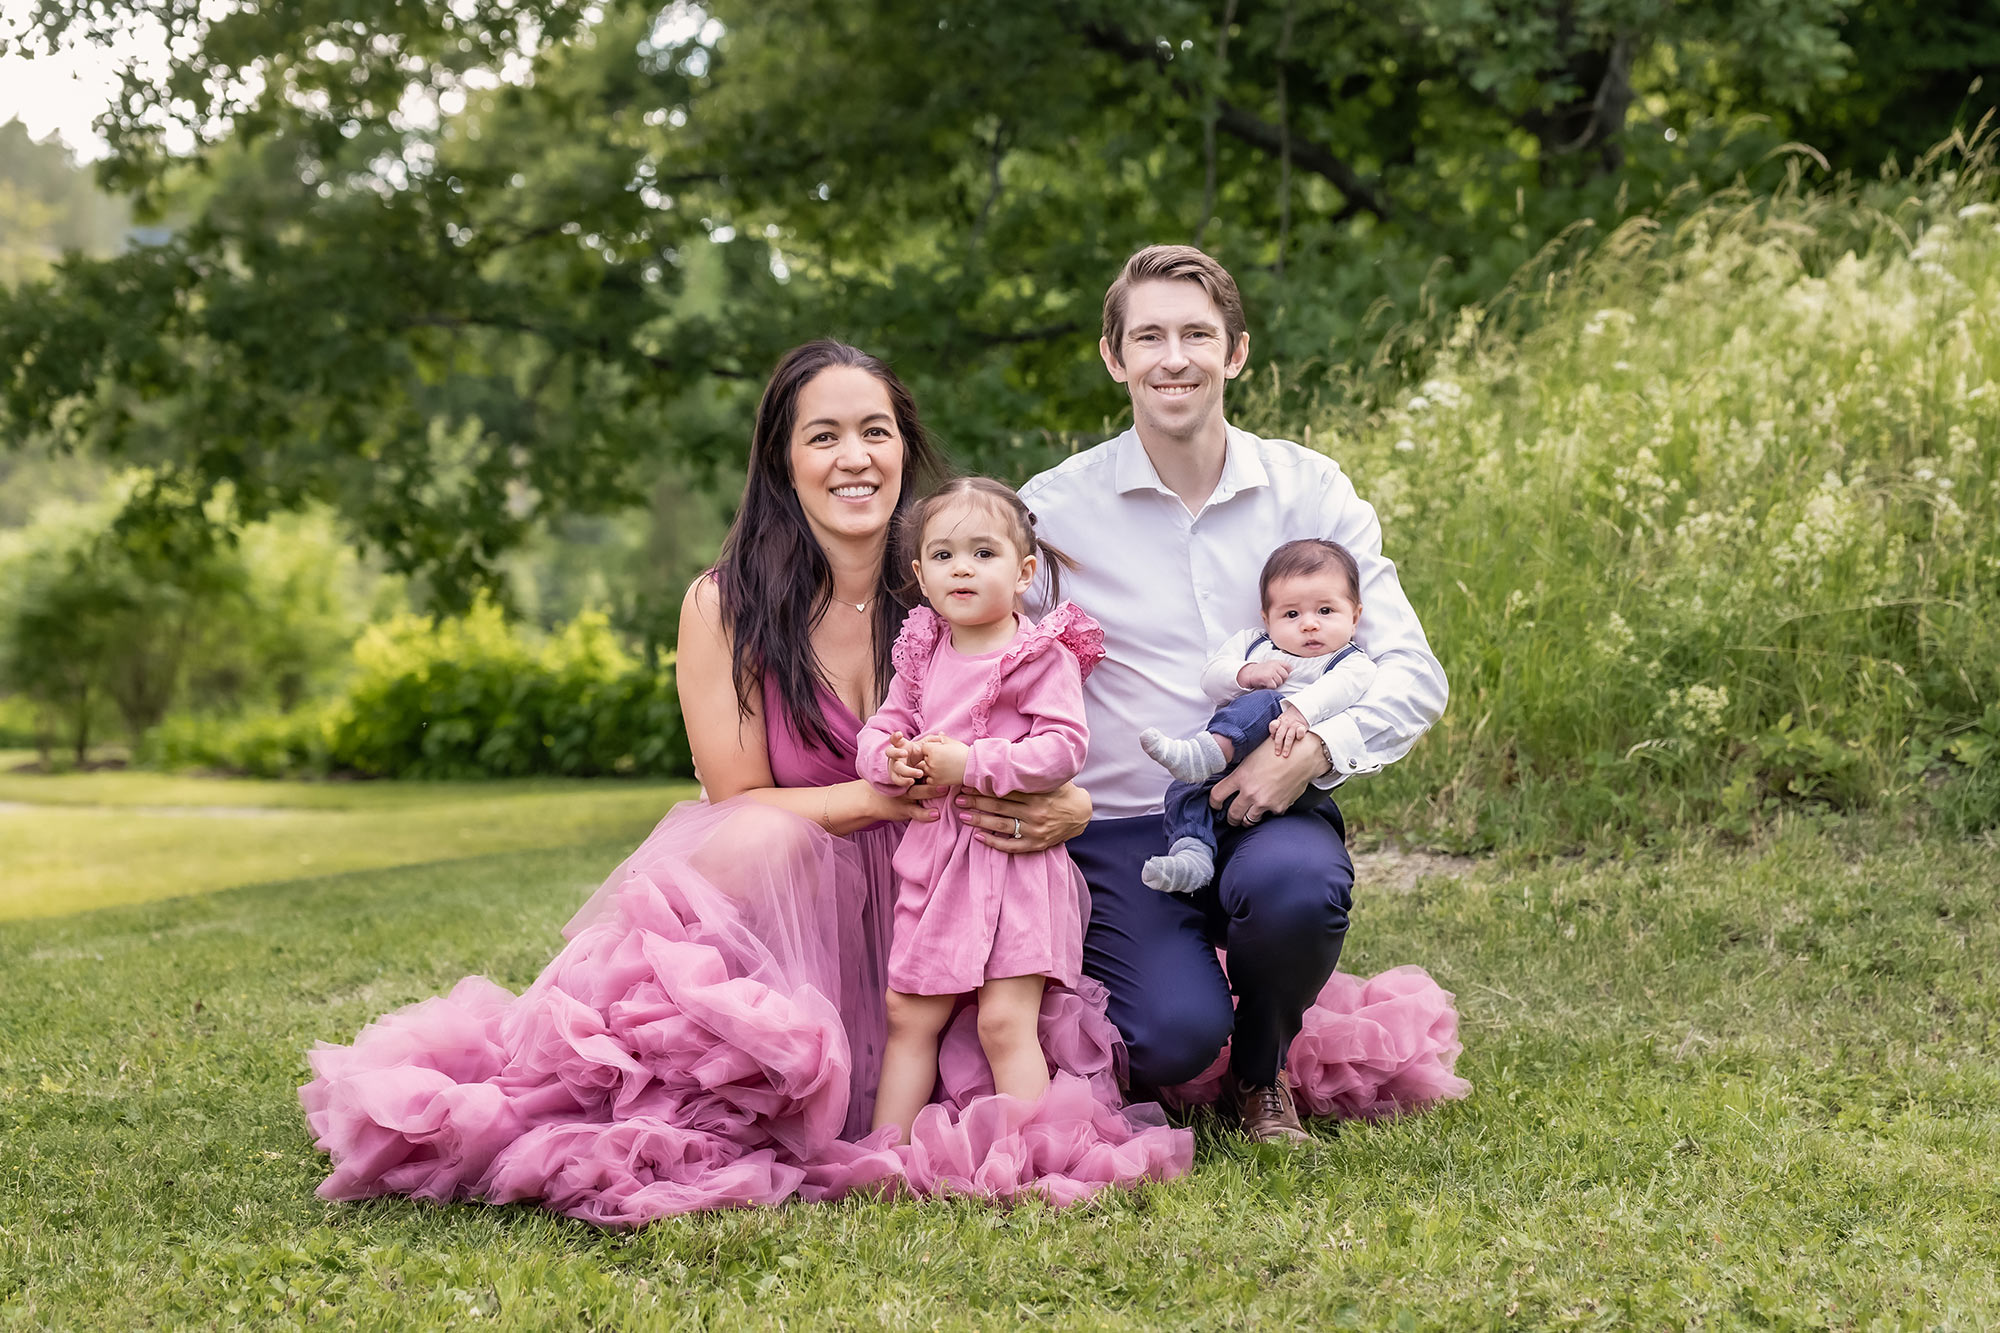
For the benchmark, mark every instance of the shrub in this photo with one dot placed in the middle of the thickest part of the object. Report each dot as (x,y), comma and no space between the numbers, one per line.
(470,697)
(21,723)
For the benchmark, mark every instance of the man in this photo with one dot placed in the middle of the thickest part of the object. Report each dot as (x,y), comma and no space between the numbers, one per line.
(1170,524)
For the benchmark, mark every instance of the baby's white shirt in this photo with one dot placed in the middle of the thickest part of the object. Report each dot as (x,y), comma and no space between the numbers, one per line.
(1318,687)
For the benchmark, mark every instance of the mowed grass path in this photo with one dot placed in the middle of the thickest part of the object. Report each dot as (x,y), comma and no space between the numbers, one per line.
(77,841)
(1717,1090)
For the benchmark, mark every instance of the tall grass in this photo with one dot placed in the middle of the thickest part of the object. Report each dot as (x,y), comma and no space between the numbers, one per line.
(1705,524)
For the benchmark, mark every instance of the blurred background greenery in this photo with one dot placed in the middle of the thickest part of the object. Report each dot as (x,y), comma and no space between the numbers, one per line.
(1661,334)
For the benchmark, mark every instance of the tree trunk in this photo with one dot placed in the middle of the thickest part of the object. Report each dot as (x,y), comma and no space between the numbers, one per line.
(81,734)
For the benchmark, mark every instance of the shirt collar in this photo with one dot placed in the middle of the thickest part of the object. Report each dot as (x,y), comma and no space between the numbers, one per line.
(1133,470)
(1242,467)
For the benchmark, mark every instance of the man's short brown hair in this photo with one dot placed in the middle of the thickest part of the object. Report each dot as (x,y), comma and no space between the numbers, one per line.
(1179,263)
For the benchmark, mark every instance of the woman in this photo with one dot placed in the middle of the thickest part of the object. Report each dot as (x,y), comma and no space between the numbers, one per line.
(712,1033)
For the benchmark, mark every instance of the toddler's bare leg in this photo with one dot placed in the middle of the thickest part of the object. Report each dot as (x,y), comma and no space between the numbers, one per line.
(1009,1010)
(910,1058)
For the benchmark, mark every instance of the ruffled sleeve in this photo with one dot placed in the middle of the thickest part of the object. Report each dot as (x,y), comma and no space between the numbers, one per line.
(1076,631)
(911,654)
(1045,669)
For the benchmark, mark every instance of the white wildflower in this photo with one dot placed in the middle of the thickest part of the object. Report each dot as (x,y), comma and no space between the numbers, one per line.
(1607,319)
(1613,639)
(1445,393)
(1694,711)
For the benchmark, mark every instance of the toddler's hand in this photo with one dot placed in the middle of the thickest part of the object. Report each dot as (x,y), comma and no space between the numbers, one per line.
(1262,675)
(906,760)
(1288,730)
(944,760)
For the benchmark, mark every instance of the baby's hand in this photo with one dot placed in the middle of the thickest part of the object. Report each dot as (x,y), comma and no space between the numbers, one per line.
(1262,675)
(944,760)
(906,760)
(1288,730)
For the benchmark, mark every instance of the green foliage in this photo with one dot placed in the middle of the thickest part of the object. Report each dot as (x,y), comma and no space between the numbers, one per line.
(21,723)
(1716,538)
(58,632)
(1715,1091)
(135,618)
(450,305)
(463,697)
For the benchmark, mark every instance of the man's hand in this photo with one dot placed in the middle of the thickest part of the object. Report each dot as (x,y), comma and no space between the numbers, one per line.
(945,760)
(906,760)
(1288,730)
(1045,819)
(1262,675)
(1266,781)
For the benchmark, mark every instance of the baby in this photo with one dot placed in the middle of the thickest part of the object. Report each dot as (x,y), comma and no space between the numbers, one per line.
(1298,671)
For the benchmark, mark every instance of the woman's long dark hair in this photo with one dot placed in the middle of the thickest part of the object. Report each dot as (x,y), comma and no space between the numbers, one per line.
(774,579)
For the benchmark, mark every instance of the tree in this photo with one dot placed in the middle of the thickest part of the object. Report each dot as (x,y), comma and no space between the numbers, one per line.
(450,303)
(49,205)
(55,648)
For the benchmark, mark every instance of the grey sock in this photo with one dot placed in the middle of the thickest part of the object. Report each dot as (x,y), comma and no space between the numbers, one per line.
(1187,866)
(1192,760)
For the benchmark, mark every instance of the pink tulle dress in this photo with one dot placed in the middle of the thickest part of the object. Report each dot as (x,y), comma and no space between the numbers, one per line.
(711,1036)
(965,912)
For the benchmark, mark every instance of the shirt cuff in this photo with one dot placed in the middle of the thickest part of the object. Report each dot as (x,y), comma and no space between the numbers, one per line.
(1342,738)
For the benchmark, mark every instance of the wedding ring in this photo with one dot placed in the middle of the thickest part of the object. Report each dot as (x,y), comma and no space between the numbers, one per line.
(1017,826)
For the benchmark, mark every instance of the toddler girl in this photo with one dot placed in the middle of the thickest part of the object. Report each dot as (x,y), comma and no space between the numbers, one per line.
(986,699)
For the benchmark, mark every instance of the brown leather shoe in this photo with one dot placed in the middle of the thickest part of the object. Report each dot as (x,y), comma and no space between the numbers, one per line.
(1267,1114)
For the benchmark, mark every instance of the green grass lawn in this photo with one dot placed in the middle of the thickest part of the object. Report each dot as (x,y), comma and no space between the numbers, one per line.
(76,841)
(1714,1090)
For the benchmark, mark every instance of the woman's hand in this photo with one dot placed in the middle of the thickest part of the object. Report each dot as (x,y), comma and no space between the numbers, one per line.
(1027,821)
(907,807)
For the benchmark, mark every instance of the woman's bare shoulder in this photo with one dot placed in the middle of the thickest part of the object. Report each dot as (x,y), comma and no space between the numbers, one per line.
(704,596)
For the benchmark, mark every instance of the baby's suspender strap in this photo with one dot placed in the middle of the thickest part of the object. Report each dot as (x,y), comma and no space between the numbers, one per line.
(1259,641)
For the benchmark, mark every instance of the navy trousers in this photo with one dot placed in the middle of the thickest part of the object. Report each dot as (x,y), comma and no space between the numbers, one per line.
(1245,722)
(1278,905)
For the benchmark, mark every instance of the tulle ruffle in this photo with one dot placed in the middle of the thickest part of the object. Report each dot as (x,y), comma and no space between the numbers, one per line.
(694,1047)
(1368,1048)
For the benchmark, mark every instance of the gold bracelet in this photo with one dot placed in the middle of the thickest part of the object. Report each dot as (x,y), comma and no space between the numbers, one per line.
(826,811)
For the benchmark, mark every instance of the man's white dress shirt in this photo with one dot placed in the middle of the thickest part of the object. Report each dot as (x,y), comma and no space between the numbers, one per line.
(1169,587)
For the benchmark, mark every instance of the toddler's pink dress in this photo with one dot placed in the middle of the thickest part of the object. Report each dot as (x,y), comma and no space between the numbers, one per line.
(965,912)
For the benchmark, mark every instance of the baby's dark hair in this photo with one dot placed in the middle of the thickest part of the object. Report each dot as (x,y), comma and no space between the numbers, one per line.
(999,497)
(1308,555)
